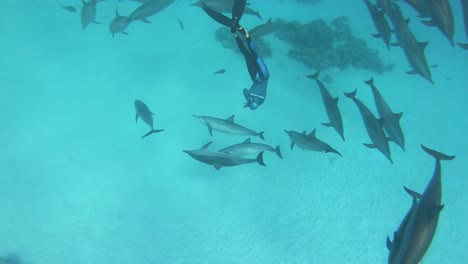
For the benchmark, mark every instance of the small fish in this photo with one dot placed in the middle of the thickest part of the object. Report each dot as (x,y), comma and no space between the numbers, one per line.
(181,24)
(219,71)
(70,9)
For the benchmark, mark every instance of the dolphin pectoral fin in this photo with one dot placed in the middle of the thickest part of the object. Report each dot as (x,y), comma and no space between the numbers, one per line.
(463,45)
(210,130)
(376,35)
(153,131)
(207,145)
(327,124)
(136,117)
(95,22)
(125,33)
(435,211)
(388,243)
(217,167)
(411,72)
(372,146)
(278,152)
(261,135)
(260,159)
(292,145)
(428,23)
(145,20)
(332,150)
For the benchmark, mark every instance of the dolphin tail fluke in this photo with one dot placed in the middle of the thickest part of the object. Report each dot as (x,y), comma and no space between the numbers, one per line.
(370,82)
(389,243)
(332,150)
(463,45)
(257,14)
(153,131)
(437,155)
(260,135)
(313,76)
(260,159)
(352,94)
(278,152)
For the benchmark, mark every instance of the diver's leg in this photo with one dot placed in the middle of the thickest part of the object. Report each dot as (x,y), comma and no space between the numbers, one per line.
(249,60)
(260,64)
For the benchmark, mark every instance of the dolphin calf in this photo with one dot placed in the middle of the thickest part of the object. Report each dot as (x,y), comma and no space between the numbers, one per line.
(413,50)
(331,106)
(88,12)
(143,112)
(394,246)
(221,159)
(390,120)
(441,16)
(380,22)
(247,148)
(422,224)
(227,126)
(119,24)
(373,126)
(148,9)
(309,142)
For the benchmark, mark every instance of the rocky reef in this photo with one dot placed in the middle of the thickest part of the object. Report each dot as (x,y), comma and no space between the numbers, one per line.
(226,38)
(317,44)
(320,46)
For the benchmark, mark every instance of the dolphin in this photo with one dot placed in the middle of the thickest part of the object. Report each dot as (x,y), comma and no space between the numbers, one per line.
(441,16)
(247,148)
(146,115)
(221,159)
(227,126)
(265,29)
(119,24)
(148,9)
(391,121)
(225,7)
(331,106)
(380,22)
(373,126)
(422,224)
(384,5)
(419,6)
(464,4)
(413,50)
(309,142)
(88,12)
(394,246)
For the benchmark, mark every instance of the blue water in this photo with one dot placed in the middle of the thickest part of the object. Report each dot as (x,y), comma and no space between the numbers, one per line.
(79,185)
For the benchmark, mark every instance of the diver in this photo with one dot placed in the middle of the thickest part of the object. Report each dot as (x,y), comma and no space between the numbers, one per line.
(258,71)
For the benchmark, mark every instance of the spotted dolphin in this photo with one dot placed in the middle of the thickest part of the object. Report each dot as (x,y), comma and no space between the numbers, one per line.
(309,142)
(380,22)
(391,121)
(220,159)
(227,126)
(143,112)
(441,16)
(247,147)
(373,126)
(331,107)
(422,224)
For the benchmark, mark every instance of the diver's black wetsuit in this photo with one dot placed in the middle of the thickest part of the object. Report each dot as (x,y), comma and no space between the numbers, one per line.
(257,68)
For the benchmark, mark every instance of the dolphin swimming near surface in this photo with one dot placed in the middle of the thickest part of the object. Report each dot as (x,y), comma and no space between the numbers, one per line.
(390,120)
(373,127)
(413,50)
(331,106)
(380,22)
(422,224)
(119,24)
(441,16)
(247,147)
(221,159)
(227,126)
(143,112)
(309,142)
(88,12)
(149,9)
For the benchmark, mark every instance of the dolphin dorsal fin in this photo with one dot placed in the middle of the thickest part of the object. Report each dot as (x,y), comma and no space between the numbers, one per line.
(312,133)
(117,14)
(423,44)
(304,132)
(247,141)
(207,145)
(230,119)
